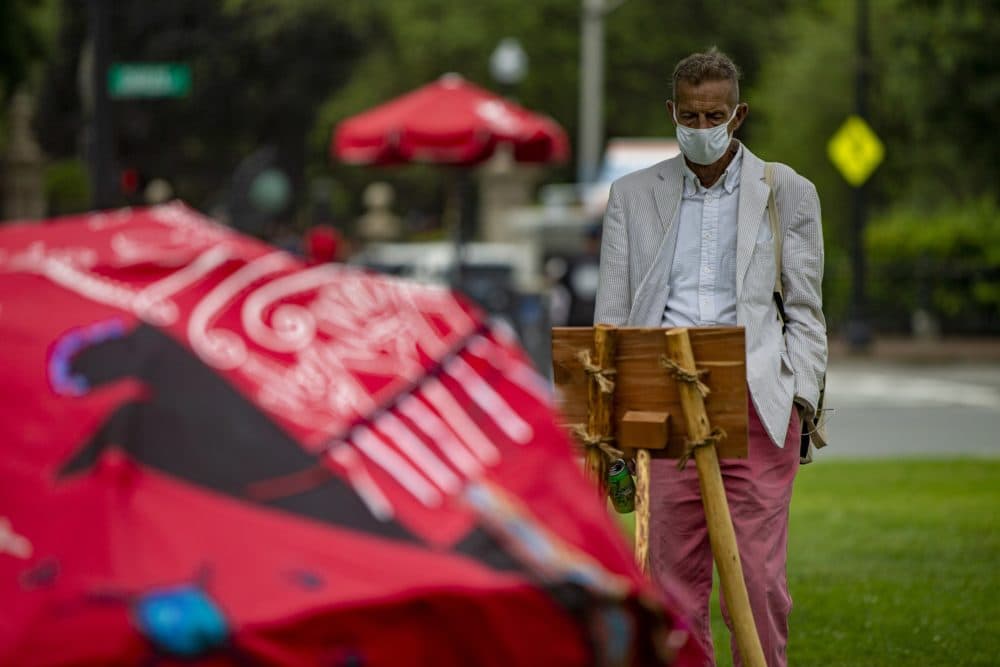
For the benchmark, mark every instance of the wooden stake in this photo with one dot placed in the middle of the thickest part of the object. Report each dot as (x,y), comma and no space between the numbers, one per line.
(600,404)
(713,496)
(642,509)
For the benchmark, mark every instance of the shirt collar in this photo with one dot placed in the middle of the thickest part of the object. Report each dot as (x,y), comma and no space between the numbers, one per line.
(729,181)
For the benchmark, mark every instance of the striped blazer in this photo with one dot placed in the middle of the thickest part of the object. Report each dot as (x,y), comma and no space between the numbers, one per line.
(637,250)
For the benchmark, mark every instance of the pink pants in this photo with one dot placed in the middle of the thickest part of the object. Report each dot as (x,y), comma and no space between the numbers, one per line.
(759,490)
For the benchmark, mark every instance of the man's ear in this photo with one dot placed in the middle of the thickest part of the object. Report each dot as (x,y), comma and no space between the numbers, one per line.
(741,114)
(670,111)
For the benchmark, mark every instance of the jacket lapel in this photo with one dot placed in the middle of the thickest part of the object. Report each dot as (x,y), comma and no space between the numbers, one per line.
(668,191)
(651,296)
(753,202)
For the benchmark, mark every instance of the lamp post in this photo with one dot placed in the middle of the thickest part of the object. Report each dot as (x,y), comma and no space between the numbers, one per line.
(591,90)
(591,112)
(508,63)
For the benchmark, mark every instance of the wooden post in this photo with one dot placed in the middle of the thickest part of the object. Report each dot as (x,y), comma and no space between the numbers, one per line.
(713,495)
(638,432)
(642,509)
(600,413)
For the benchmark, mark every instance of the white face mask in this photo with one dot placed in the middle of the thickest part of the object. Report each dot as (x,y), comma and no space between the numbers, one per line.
(704,146)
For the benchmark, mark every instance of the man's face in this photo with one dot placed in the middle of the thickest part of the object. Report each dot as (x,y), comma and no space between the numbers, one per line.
(706,105)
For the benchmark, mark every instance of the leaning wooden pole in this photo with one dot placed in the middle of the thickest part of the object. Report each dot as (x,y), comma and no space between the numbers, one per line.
(642,459)
(600,401)
(713,496)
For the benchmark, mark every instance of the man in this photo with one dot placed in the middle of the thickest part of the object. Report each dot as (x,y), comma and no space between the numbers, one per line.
(688,243)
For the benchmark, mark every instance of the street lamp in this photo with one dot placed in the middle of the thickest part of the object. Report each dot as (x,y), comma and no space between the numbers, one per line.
(592,13)
(509,62)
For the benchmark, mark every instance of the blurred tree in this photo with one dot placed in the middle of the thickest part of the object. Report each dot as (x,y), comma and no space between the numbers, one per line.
(410,43)
(24,27)
(940,91)
(942,264)
(935,88)
(260,69)
(646,40)
(67,188)
(284,72)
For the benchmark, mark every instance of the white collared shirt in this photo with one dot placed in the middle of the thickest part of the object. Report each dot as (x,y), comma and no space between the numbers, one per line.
(703,273)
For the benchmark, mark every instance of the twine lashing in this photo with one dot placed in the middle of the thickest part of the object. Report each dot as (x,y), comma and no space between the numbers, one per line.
(600,442)
(603,375)
(682,374)
(714,438)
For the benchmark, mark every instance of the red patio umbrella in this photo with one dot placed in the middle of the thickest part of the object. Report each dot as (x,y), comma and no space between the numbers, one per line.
(212,454)
(449,121)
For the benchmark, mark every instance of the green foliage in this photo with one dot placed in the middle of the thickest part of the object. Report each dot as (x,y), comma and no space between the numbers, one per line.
(260,70)
(412,43)
(933,95)
(836,283)
(646,39)
(935,88)
(283,73)
(945,261)
(409,44)
(937,95)
(25,28)
(803,94)
(67,188)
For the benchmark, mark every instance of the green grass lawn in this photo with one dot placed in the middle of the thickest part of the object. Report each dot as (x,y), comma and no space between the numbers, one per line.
(892,563)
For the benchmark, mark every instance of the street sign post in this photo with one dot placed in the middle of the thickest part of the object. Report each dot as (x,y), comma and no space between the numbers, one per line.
(856,151)
(149,80)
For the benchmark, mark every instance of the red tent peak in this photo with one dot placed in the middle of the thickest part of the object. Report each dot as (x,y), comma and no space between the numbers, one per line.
(451,80)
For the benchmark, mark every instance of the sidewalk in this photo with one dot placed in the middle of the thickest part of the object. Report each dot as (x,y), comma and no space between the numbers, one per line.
(910,350)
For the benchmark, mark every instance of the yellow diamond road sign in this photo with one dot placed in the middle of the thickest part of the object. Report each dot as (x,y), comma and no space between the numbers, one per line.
(855,150)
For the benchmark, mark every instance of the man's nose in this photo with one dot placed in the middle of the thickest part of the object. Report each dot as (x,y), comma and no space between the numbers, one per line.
(703,122)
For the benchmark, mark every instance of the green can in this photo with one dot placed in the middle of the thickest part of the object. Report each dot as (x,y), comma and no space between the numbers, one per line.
(621,488)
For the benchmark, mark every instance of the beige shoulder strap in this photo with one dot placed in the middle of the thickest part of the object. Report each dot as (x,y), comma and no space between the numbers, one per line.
(772,213)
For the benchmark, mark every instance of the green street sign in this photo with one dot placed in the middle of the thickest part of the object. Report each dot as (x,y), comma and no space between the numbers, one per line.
(149,80)
(855,150)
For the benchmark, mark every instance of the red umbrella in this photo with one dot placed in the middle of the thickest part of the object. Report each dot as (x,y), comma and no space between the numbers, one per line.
(449,121)
(210,453)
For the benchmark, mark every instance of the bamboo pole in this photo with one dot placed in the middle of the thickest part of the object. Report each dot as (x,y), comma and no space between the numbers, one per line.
(642,509)
(713,495)
(600,403)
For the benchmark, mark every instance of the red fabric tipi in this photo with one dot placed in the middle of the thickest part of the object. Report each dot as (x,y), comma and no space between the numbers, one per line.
(212,454)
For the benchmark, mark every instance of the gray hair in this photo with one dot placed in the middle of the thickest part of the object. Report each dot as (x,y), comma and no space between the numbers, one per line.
(713,65)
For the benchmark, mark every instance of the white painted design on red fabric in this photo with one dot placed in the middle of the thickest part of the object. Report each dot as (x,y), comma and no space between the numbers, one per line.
(416,451)
(361,481)
(386,457)
(458,419)
(322,349)
(13,544)
(490,401)
(442,435)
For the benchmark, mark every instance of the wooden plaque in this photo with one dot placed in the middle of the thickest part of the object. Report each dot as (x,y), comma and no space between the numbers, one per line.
(643,385)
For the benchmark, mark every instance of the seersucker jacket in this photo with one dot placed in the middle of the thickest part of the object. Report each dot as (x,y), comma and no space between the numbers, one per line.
(637,250)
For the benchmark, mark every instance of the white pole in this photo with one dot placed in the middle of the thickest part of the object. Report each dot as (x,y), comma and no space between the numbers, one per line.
(591,113)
